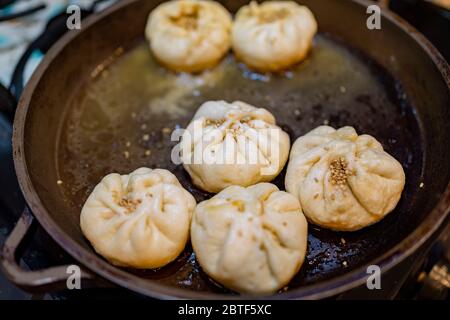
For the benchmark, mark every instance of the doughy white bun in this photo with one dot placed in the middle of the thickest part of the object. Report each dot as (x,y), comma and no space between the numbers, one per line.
(138,220)
(189,35)
(252,240)
(344,182)
(273,35)
(238,144)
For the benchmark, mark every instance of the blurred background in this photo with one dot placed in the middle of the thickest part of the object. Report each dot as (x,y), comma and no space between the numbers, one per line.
(23,22)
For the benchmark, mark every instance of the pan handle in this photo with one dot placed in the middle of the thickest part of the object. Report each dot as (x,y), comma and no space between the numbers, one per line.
(50,279)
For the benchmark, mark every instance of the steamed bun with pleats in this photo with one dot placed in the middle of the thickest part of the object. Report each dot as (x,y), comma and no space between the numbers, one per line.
(233,144)
(252,240)
(344,181)
(273,35)
(138,220)
(189,35)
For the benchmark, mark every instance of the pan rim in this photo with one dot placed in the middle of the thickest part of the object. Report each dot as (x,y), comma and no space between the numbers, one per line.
(97,265)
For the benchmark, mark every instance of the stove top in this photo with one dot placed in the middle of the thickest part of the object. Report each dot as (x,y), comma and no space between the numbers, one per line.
(419,276)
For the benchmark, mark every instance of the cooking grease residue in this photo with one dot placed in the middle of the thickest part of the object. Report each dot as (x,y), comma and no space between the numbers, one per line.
(123,118)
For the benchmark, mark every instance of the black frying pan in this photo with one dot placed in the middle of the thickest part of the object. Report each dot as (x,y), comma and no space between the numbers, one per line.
(97,93)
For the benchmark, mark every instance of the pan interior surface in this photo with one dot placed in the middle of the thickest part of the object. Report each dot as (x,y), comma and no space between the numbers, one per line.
(122,115)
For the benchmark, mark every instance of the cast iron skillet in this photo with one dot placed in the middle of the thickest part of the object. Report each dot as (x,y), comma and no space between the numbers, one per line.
(98,91)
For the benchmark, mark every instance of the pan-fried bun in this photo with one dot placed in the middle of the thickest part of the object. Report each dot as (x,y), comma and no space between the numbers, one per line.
(233,144)
(344,181)
(252,240)
(274,35)
(138,220)
(189,35)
